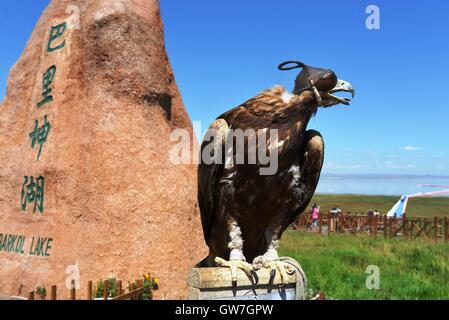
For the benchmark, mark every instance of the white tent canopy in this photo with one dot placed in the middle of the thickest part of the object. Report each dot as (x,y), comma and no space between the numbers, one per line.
(400,207)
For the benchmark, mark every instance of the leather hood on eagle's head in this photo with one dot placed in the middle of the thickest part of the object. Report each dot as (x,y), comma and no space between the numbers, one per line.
(322,82)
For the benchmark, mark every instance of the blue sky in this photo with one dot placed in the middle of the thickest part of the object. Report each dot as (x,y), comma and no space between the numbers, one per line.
(224,52)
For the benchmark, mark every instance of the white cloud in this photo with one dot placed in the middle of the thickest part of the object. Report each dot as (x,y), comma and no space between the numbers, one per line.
(347,149)
(333,165)
(392,165)
(439,154)
(411,148)
(330,164)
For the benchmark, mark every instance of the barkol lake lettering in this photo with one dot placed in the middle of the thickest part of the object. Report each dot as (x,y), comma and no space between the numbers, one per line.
(12,243)
(18,244)
(40,246)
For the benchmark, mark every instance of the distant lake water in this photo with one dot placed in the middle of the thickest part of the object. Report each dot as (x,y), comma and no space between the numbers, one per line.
(380,184)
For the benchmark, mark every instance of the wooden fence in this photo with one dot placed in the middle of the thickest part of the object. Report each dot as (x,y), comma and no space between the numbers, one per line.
(134,291)
(436,229)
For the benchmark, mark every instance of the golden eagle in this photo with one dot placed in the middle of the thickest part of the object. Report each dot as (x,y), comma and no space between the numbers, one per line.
(244,212)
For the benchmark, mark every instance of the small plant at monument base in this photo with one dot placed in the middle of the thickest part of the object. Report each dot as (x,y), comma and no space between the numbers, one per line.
(99,288)
(42,292)
(150,284)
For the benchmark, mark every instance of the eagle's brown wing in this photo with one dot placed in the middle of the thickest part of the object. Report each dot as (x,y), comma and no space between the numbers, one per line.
(208,175)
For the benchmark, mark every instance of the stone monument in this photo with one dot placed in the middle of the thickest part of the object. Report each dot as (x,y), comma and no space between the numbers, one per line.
(87,188)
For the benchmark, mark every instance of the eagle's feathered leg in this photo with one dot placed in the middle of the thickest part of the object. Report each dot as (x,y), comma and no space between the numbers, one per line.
(236,258)
(310,162)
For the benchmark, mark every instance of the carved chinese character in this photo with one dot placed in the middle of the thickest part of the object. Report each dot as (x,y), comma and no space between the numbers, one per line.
(55,33)
(47,80)
(39,135)
(33,193)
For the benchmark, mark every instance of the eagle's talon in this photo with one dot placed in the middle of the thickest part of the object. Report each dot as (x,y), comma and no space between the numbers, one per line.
(233,265)
(274,266)
(280,266)
(255,276)
(272,276)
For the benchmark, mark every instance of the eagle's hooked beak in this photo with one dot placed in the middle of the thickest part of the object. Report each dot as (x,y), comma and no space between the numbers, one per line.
(342,86)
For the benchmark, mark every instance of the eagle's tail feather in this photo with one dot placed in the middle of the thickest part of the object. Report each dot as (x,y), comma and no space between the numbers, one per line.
(204,263)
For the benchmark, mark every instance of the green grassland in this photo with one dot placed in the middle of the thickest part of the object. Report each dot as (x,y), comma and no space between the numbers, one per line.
(418,207)
(336,265)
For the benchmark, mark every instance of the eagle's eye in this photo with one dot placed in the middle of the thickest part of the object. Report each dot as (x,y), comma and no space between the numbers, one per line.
(326,81)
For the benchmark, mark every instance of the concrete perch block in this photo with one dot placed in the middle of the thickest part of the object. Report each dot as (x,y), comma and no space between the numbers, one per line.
(216,284)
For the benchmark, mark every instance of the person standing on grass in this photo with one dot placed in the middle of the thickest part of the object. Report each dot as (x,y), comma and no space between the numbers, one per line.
(315,214)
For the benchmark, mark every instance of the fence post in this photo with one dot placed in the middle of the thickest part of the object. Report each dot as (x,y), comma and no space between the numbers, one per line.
(31,295)
(375,225)
(343,222)
(405,226)
(73,293)
(90,286)
(106,290)
(337,223)
(53,293)
(385,226)
(436,221)
(424,232)
(388,226)
(372,225)
(392,222)
(139,285)
(320,221)
(446,229)
(119,289)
